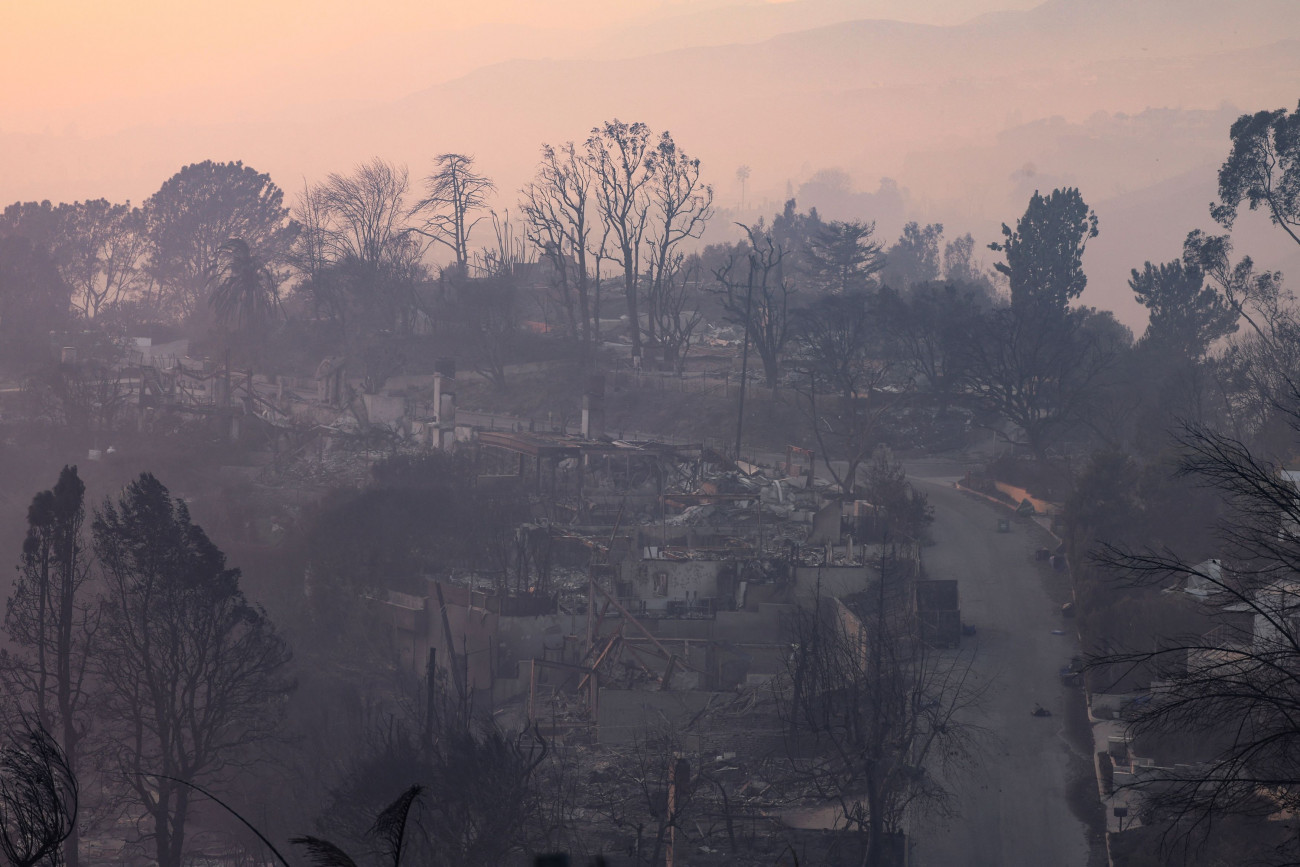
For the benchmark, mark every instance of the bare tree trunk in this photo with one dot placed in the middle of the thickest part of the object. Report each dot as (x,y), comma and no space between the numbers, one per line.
(651,314)
(584,311)
(633,317)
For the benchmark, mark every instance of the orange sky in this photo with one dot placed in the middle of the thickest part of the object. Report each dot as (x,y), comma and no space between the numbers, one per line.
(67,56)
(130,90)
(100,66)
(62,56)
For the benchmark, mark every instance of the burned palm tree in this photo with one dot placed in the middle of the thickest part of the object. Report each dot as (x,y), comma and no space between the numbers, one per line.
(246,295)
(38,797)
(389,831)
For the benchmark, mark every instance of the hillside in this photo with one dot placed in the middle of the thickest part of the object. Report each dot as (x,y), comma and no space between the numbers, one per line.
(968,118)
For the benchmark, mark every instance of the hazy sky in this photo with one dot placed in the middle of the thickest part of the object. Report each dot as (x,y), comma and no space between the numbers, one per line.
(97,66)
(1129,100)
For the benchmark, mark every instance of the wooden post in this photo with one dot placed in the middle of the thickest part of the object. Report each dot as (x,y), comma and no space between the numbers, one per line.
(430,703)
(591,605)
(451,645)
(532,687)
(679,780)
(744,358)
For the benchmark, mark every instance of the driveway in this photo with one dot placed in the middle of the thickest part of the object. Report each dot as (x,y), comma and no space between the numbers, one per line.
(1013,806)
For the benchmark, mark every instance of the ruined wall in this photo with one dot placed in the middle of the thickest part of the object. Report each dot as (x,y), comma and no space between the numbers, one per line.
(627,714)
(834,581)
(766,625)
(656,582)
(386,409)
(523,638)
(406,617)
(473,636)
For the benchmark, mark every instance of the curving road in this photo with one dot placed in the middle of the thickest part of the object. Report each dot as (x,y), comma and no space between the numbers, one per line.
(1013,808)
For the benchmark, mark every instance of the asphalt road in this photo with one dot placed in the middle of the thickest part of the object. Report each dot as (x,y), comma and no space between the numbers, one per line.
(1013,807)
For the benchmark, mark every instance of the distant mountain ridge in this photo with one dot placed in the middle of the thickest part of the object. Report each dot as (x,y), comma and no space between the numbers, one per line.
(958,114)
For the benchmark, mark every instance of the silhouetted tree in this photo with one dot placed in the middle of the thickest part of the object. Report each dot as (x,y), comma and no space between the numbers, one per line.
(312,255)
(906,513)
(200,208)
(34,298)
(758,301)
(52,626)
(489,309)
(191,672)
(624,163)
(1038,362)
(1257,297)
(103,249)
(1235,688)
(927,330)
(41,223)
(960,266)
(367,211)
(1258,370)
(842,257)
(873,718)
(1039,367)
(1184,312)
(1044,255)
(246,294)
(559,221)
(683,206)
(793,231)
(367,261)
(677,307)
(1263,169)
(838,339)
(487,299)
(484,799)
(915,257)
(454,193)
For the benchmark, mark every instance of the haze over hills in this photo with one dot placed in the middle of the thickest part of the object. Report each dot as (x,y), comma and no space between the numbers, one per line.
(219,61)
(968,117)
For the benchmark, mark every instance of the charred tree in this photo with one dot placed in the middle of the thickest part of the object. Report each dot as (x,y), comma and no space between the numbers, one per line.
(191,672)
(52,626)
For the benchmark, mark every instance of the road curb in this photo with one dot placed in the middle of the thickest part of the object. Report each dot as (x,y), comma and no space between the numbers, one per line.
(1087,693)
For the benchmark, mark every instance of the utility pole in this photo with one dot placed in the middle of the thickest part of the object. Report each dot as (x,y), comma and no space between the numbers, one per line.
(744,354)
